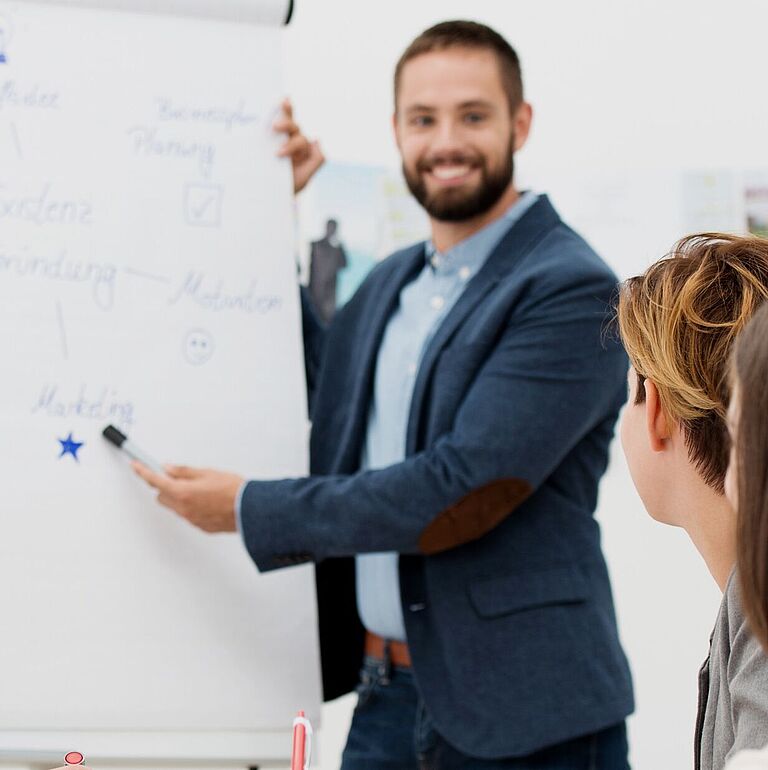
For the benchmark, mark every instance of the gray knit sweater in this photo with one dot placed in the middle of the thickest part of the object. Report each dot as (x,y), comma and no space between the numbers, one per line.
(733,688)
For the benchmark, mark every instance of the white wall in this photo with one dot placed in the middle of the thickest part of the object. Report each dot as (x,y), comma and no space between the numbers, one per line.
(627,96)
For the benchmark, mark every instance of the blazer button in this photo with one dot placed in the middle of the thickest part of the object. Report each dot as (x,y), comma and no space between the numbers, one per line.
(418,607)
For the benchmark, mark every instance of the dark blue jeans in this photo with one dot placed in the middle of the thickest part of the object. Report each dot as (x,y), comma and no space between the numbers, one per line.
(391,730)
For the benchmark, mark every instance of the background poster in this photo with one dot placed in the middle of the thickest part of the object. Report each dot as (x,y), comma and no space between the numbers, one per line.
(727,200)
(374,213)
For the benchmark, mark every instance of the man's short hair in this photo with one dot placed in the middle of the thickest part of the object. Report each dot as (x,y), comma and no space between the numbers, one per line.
(678,322)
(468,34)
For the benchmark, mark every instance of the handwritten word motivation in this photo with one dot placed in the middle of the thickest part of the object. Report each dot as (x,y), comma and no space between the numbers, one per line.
(194,288)
(229,118)
(44,208)
(102,404)
(148,143)
(100,276)
(34,97)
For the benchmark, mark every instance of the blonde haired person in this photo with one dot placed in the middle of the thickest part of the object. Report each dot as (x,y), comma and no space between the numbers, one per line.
(678,322)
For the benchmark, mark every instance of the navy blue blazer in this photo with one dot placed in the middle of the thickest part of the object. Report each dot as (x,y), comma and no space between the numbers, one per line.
(507,603)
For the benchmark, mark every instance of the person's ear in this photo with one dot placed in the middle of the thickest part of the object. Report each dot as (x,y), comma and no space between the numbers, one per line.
(656,421)
(521,123)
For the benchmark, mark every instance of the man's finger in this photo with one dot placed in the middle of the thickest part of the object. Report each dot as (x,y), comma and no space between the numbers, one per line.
(285,125)
(307,168)
(316,154)
(297,148)
(155,480)
(182,472)
(314,159)
(166,500)
(287,108)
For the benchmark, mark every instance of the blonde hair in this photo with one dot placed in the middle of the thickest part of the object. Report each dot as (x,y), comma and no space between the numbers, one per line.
(678,322)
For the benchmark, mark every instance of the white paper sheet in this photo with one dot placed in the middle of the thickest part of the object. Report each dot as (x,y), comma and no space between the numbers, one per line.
(147,279)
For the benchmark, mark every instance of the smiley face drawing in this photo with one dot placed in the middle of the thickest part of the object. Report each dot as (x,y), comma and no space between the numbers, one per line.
(198,347)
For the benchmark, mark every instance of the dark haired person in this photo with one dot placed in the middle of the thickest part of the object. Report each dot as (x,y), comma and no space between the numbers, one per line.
(745,486)
(461,422)
(678,322)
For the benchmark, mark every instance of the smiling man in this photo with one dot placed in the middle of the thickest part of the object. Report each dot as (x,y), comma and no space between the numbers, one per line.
(463,405)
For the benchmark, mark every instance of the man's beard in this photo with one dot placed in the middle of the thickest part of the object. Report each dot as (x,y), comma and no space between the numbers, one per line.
(457,205)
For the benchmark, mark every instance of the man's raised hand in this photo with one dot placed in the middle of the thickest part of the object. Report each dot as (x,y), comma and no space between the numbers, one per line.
(306,157)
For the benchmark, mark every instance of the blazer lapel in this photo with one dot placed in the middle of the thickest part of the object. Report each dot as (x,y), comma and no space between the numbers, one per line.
(518,241)
(349,445)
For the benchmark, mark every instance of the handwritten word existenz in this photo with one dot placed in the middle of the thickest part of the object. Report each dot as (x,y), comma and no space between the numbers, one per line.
(44,208)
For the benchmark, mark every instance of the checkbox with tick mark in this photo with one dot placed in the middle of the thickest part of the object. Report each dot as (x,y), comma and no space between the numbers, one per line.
(202,205)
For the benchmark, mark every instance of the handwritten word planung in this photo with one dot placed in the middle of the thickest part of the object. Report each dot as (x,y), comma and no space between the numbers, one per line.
(148,143)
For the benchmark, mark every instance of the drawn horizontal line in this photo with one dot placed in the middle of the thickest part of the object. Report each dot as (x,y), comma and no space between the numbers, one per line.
(148,276)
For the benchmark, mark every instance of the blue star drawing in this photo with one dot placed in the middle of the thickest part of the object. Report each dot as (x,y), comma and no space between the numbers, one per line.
(70,447)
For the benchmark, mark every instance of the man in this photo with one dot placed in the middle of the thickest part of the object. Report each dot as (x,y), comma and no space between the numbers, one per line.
(327,259)
(462,414)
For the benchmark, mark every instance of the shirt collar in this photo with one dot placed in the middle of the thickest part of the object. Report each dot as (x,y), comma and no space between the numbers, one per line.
(468,255)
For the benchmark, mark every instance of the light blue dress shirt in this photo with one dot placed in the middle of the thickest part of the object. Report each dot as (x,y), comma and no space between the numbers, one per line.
(423,305)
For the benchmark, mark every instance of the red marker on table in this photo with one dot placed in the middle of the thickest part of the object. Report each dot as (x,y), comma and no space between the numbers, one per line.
(74,761)
(302,743)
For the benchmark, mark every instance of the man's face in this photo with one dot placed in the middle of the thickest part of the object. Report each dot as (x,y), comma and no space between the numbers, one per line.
(455,132)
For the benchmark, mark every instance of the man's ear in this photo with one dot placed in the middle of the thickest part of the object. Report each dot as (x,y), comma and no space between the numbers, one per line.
(655,420)
(521,122)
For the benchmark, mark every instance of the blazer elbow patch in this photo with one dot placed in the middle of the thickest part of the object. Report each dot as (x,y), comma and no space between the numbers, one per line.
(474,515)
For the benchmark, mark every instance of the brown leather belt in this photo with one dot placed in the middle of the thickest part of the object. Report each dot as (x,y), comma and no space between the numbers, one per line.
(379,648)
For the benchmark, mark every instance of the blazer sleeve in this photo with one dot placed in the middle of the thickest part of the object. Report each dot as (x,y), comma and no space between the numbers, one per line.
(551,378)
(313,332)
